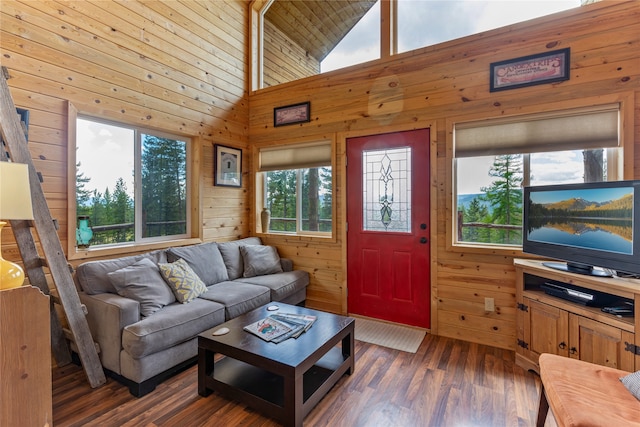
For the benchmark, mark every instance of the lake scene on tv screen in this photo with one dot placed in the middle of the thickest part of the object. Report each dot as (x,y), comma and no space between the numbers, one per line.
(599,218)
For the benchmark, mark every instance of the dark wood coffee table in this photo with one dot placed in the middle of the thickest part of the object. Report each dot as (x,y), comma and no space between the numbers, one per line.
(286,380)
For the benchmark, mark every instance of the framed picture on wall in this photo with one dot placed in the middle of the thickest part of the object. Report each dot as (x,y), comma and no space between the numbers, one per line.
(530,70)
(227,166)
(292,114)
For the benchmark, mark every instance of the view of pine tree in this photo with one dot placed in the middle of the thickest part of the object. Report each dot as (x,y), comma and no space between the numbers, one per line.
(83,195)
(164,200)
(326,206)
(281,199)
(310,203)
(314,198)
(98,212)
(476,212)
(120,207)
(505,197)
(164,186)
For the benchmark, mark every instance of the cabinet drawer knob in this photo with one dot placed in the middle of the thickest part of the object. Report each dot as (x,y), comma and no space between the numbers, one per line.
(562,345)
(573,350)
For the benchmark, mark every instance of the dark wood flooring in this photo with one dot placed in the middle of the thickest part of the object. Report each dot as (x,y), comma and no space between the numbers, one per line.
(446,383)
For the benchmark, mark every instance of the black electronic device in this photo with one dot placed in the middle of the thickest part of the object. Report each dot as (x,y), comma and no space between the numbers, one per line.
(594,228)
(580,295)
(621,310)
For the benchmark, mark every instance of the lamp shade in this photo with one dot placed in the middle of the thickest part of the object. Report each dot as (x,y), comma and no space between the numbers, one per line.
(15,191)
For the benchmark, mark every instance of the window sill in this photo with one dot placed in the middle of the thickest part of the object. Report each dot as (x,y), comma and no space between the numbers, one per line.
(486,249)
(126,249)
(297,236)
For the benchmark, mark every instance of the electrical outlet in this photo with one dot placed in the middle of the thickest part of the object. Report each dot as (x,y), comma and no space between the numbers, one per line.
(489,304)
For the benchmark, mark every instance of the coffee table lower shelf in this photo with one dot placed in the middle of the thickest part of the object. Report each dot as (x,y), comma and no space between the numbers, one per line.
(265,391)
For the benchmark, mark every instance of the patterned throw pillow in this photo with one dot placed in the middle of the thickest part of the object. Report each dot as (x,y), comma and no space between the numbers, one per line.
(632,383)
(185,284)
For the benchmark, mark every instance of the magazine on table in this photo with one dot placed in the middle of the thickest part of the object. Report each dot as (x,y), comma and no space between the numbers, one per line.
(303,319)
(279,327)
(268,328)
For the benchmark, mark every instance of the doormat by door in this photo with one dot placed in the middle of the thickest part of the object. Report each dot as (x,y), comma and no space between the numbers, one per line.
(398,337)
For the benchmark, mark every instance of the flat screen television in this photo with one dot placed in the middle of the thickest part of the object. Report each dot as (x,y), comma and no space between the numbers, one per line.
(593,228)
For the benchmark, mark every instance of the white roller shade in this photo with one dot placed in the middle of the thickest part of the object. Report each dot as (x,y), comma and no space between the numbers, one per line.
(584,128)
(295,156)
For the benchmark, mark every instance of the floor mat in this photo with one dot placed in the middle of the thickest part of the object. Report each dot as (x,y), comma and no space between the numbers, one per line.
(398,337)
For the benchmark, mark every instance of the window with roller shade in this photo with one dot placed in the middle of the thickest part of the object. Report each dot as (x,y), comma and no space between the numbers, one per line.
(494,159)
(297,188)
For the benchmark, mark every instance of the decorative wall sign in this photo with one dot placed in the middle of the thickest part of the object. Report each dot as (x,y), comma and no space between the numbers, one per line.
(227,166)
(530,70)
(291,114)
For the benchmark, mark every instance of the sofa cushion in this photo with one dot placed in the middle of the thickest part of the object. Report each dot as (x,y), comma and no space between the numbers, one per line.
(172,325)
(142,281)
(204,259)
(281,285)
(237,297)
(92,275)
(260,260)
(231,254)
(184,282)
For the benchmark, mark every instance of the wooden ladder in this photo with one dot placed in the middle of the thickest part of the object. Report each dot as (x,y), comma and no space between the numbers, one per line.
(54,258)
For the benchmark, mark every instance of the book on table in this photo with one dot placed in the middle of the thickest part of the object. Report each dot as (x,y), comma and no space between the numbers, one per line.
(279,327)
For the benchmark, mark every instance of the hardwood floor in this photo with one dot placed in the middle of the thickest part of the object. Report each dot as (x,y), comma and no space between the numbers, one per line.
(446,383)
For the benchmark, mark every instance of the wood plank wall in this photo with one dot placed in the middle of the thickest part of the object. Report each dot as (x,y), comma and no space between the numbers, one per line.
(280,49)
(177,66)
(434,87)
(182,66)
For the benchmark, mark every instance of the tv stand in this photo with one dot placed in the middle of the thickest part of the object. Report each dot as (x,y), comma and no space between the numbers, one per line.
(550,324)
(577,268)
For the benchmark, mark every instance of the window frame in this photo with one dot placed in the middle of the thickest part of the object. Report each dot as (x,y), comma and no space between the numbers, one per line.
(624,161)
(260,193)
(299,219)
(193,209)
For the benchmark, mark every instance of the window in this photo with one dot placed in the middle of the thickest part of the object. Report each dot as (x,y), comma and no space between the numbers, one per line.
(386,199)
(131,183)
(291,39)
(494,159)
(426,23)
(297,188)
(360,45)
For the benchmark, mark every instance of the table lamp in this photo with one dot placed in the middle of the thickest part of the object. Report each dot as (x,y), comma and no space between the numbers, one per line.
(15,203)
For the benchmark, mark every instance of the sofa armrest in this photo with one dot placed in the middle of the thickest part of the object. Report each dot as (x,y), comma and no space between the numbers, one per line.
(287,264)
(107,315)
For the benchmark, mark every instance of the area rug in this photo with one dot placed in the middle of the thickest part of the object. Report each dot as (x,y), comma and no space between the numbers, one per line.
(388,335)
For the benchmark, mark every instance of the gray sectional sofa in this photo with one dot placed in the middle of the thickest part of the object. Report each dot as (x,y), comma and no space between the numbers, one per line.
(145,333)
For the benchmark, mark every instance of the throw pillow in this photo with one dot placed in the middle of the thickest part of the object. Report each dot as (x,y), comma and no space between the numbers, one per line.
(632,383)
(230,252)
(184,282)
(260,260)
(142,282)
(204,259)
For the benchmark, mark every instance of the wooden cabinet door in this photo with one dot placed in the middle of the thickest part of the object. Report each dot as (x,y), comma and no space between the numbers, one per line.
(546,329)
(596,342)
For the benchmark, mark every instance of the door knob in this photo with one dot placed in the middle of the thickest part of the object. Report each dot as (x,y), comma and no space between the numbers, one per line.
(423,226)
(423,240)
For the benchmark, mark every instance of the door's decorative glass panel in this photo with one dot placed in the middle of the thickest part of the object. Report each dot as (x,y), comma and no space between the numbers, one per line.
(387,190)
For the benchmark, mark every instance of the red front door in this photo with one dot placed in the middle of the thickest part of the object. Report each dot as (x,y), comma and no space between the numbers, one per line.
(388,227)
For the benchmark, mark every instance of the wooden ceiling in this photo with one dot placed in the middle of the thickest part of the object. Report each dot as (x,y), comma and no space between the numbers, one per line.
(317,25)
